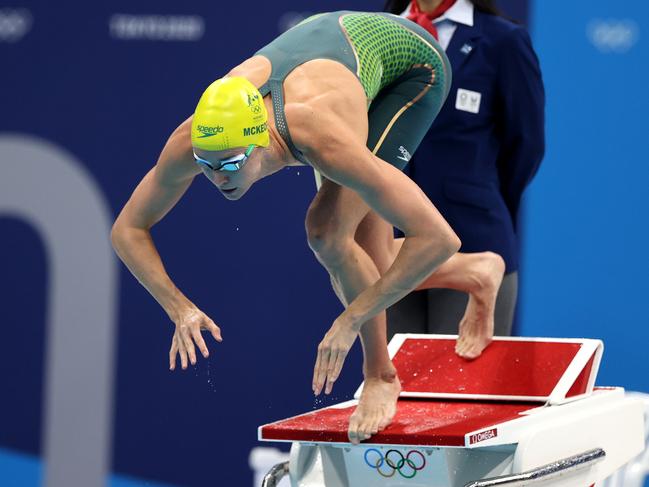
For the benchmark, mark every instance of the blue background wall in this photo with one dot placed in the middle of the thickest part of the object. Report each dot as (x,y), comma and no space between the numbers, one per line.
(586,224)
(112,102)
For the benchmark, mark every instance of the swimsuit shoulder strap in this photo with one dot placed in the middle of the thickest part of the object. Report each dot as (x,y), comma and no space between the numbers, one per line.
(276,89)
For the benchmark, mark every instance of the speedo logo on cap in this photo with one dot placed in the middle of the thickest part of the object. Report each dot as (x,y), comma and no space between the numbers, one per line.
(209,131)
(257,129)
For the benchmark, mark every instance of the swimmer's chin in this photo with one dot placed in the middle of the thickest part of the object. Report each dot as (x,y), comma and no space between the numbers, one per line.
(233,194)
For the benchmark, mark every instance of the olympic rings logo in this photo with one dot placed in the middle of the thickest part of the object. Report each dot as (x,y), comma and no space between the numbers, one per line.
(394,462)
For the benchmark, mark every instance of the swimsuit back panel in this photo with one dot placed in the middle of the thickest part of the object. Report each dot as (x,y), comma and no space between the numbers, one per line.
(377,47)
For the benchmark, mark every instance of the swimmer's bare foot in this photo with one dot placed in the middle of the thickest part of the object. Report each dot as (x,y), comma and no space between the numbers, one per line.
(477,325)
(376,407)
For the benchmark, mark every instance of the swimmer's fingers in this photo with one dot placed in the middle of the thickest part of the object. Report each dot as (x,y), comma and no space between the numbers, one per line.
(214,330)
(200,343)
(210,326)
(182,351)
(320,370)
(188,343)
(331,355)
(172,354)
(335,366)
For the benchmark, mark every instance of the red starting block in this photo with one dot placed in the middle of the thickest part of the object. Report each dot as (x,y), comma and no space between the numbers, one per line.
(526,412)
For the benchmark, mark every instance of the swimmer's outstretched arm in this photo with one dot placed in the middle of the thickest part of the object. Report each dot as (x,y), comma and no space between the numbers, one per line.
(156,194)
(339,153)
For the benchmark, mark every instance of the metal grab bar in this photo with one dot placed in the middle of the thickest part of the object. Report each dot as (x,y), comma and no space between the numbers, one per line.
(275,474)
(549,471)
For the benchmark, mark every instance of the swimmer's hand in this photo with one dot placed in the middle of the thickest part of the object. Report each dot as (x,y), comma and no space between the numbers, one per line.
(189,325)
(332,351)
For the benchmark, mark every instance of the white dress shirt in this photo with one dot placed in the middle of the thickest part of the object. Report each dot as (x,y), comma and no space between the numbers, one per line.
(460,13)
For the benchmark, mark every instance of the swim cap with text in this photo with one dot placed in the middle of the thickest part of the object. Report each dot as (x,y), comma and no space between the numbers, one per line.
(231,113)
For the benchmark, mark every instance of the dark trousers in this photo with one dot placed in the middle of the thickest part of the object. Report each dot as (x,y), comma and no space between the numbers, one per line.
(439,311)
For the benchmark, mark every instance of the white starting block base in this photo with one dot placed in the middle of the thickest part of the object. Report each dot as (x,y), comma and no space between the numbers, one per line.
(545,435)
(450,438)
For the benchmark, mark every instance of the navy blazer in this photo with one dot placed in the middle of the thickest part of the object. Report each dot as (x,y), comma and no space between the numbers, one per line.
(475,166)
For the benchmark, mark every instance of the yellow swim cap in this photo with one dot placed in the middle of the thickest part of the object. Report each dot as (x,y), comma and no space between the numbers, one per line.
(231,113)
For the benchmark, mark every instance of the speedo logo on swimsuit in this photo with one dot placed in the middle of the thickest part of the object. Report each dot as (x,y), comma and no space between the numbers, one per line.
(257,129)
(405,155)
(209,131)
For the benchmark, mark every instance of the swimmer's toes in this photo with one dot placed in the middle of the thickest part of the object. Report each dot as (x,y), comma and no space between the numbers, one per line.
(374,429)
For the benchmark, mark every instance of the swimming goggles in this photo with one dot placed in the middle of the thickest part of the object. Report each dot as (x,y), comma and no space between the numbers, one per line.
(230,164)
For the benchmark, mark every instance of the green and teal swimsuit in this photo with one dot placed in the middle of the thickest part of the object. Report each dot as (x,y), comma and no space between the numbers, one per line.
(403,70)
